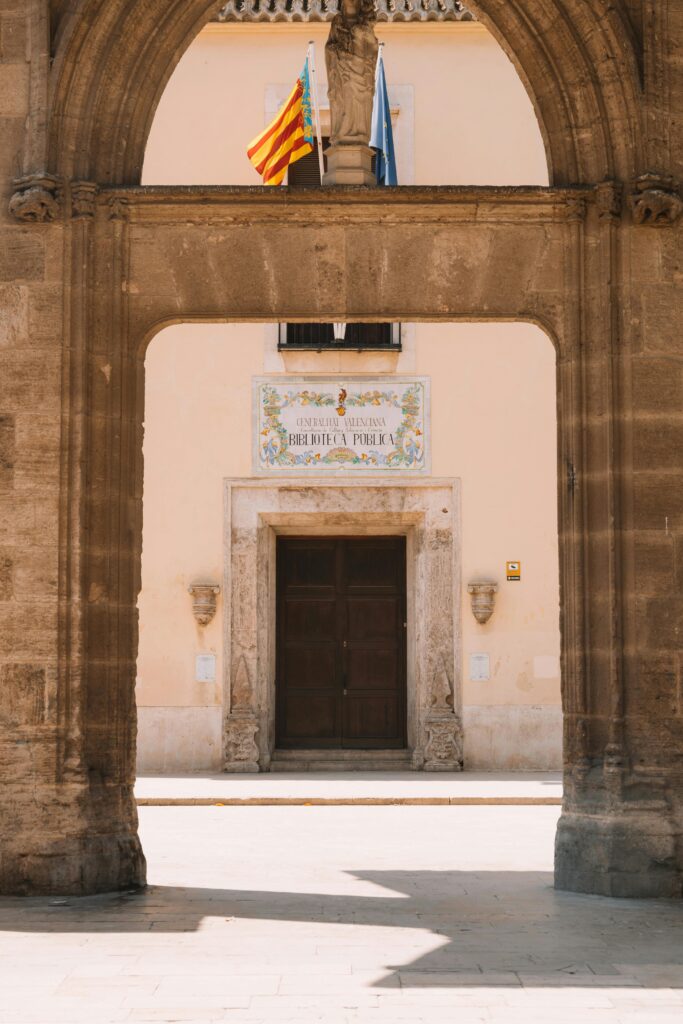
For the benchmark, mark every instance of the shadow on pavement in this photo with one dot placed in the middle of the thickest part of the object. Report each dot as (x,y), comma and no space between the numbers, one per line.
(494,926)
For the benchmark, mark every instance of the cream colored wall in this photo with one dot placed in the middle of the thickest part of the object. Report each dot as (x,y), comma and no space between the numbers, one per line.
(493,392)
(197,419)
(493,425)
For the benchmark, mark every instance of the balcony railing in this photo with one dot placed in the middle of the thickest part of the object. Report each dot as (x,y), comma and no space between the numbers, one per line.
(356,337)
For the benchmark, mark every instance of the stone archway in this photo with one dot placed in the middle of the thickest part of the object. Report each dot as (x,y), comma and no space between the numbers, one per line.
(580,68)
(139,258)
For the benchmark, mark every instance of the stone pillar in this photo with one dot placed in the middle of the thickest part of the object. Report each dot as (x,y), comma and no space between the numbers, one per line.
(68,821)
(621,829)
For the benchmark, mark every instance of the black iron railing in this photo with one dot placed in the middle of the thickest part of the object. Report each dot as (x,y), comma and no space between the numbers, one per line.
(321,337)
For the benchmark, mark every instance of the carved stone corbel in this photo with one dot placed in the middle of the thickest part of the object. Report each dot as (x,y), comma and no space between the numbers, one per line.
(483,597)
(37,198)
(204,601)
(83,199)
(574,209)
(118,208)
(655,201)
(609,196)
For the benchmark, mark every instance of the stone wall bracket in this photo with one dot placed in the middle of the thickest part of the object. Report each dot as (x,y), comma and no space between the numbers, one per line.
(483,598)
(83,200)
(37,199)
(204,601)
(655,201)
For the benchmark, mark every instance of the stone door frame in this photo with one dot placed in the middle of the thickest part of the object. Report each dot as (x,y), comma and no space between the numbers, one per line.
(427,513)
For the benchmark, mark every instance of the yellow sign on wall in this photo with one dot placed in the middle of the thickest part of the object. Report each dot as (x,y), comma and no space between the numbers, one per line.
(513,570)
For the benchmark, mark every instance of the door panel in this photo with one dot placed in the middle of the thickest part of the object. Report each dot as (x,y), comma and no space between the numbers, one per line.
(311,716)
(369,669)
(311,565)
(372,718)
(370,563)
(341,645)
(313,667)
(310,619)
(372,619)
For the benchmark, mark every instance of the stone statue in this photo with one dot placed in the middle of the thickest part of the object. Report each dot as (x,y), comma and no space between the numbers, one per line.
(351,57)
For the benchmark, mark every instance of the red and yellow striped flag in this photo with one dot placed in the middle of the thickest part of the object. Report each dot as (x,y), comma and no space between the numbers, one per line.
(288,137)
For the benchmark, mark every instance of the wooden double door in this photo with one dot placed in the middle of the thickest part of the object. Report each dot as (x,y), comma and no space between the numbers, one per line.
(341,642)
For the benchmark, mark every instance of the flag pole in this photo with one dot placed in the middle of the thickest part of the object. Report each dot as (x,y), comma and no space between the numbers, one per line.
(316,110)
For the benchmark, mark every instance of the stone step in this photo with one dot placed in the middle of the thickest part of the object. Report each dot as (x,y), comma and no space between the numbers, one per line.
(340,761)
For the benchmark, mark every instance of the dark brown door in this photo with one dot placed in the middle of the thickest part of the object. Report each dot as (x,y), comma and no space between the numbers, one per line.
(341,642)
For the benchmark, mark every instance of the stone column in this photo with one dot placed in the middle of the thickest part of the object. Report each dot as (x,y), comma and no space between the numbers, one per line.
(622,512)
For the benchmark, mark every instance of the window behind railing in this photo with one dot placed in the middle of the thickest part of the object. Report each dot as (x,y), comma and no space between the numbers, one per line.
(320,337)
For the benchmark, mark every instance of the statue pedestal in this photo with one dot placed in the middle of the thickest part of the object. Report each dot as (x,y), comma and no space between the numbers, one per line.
(349,165)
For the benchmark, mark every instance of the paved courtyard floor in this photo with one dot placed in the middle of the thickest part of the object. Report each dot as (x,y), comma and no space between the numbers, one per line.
(344,914)
(291,788)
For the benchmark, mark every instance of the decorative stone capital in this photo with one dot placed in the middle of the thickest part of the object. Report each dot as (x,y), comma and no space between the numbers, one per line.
(241,749)
(574,209)
(118,208)
(609,200)
(36,199)
(483,597)
(83,199)
(204,601)
(443,748)
(655,201)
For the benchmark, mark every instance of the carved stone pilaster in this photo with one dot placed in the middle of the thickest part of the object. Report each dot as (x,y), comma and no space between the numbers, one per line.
(241,749)
(443,746)
(655,201)
(37,198)
(83,199)
(609,197)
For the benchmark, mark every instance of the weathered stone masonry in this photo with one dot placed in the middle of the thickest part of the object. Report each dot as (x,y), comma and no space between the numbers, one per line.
(92,265)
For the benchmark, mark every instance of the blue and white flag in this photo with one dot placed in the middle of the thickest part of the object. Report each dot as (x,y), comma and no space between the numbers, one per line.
(381,136)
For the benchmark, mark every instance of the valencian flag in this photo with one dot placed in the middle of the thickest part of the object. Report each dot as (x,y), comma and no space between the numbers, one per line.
(288,137)
(382,136)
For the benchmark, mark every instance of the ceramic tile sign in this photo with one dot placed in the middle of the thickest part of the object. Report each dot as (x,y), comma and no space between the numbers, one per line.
(341,424)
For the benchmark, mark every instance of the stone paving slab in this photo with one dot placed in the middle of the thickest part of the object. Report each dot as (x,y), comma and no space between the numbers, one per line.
(343,915)
(351,788)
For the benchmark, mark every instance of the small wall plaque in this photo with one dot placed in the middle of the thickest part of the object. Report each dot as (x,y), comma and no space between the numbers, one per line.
(205,668)
(513,571)
(480,668)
